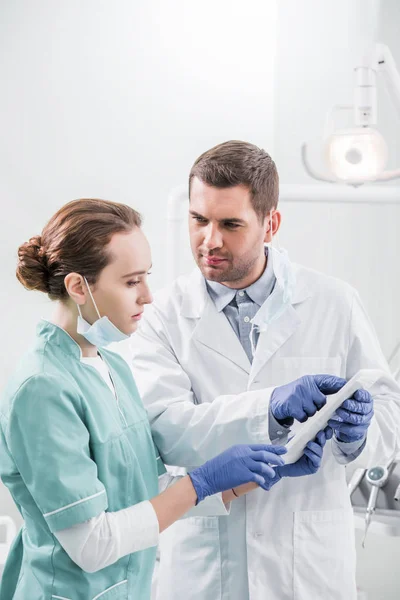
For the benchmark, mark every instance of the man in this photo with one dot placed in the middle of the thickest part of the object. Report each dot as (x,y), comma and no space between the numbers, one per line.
(211,350)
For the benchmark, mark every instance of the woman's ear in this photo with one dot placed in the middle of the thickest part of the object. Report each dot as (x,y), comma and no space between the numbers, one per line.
(76,288)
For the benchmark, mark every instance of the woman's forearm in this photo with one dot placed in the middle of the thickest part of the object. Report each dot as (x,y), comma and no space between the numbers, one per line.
(172,504)
(179,498)
(231,495)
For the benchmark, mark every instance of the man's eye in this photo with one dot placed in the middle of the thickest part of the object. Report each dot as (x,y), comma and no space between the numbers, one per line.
(132,283)
(232,225)
(200,219)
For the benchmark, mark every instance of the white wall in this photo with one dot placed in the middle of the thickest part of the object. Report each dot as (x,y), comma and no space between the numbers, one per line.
(116,100)
(318,43)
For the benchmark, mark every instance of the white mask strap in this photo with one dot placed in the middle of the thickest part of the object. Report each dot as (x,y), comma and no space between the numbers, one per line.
(252,340)
(271,230)
(91,295)
(270,226)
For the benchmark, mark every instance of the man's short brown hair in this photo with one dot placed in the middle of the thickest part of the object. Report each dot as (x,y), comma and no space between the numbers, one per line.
(240,163)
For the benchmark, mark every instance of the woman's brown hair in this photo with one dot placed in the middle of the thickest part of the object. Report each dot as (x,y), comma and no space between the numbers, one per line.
(73,241)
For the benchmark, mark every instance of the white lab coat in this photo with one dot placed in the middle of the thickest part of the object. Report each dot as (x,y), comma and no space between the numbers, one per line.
(295,542)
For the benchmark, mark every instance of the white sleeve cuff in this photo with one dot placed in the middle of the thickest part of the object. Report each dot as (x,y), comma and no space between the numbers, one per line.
(344,452)
(101,541)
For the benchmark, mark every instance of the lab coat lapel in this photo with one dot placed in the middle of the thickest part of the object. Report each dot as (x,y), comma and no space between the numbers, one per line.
(277,333)
(280,330)
(215,331)
(213,328)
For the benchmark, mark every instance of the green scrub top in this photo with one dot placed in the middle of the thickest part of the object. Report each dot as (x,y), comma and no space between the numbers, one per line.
(69,449)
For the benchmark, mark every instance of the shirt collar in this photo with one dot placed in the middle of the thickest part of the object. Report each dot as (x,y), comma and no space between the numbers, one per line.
(258,291)
(59,337)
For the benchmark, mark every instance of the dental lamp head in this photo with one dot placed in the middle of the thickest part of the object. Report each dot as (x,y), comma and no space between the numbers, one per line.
(377,476)
(359,154)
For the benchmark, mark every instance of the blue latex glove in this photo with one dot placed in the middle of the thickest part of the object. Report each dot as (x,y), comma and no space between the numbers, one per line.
(311,460)
(300,399)
(351,421)
(308,464)
(237,465)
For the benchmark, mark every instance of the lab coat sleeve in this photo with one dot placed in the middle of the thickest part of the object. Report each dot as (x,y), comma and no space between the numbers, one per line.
(186,433)
(364,352)
(49,443)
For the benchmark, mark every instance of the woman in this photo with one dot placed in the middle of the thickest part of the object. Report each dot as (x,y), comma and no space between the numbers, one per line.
(76,450)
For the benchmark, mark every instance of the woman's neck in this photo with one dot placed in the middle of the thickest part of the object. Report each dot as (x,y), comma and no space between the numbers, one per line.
(65,315)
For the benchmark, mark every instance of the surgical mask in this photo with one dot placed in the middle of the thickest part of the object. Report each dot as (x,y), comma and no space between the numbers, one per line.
(102,332)
(276,304)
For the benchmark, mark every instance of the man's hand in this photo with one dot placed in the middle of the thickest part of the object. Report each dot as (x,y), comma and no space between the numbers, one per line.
(300,399)
(351,421)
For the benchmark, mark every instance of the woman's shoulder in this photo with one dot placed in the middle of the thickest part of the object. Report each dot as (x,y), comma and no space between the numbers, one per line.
(36,376)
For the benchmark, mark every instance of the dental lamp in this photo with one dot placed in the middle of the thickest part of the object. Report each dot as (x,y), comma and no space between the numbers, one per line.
(359,154)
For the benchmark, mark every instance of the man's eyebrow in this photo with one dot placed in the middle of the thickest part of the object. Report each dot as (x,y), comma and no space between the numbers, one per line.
(225,219)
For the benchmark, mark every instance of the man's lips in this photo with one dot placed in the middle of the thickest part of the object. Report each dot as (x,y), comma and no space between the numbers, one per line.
(214,260)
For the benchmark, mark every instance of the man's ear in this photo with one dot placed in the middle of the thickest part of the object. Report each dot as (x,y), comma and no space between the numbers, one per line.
(273,223)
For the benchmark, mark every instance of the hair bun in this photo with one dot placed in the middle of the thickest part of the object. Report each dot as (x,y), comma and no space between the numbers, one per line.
(32,270)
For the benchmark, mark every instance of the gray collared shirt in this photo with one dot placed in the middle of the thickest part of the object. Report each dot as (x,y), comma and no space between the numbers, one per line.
(240,306)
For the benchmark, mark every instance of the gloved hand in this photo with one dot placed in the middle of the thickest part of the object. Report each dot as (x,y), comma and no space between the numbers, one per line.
(311,460)
(308,464)
(300,399)
(351,421)
(237,465)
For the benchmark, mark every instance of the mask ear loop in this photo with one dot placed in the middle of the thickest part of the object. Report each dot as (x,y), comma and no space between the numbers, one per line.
(252,338)
(278,245)
(270,227)
(91,296)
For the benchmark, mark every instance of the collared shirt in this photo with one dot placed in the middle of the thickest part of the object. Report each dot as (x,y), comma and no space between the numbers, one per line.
(240,306)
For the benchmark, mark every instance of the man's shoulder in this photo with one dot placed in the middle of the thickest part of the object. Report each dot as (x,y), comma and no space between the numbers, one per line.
(171,296)
(323,285)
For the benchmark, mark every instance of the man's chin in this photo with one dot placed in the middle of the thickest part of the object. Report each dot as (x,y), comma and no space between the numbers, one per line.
(213,274)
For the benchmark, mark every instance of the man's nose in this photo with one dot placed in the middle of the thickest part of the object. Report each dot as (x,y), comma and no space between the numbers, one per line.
(213,237)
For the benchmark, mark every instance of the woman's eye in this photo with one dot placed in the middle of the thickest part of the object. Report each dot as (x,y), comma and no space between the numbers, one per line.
(132,283)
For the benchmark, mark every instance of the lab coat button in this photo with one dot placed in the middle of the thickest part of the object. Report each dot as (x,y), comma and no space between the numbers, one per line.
(246,319)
